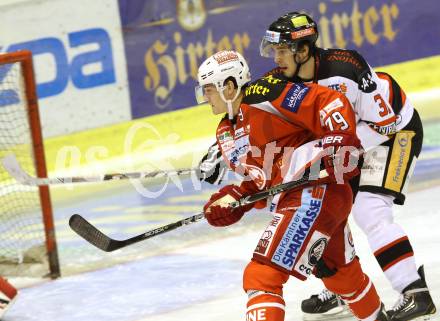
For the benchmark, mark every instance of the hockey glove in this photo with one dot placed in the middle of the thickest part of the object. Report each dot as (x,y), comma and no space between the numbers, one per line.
(322,270)
(342,155)
(217,211)
(212,168)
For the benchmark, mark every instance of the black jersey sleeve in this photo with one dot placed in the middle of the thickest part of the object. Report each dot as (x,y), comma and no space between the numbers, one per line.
(264,89)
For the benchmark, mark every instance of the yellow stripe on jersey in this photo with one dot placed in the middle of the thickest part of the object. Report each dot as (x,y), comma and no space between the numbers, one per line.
(399,160)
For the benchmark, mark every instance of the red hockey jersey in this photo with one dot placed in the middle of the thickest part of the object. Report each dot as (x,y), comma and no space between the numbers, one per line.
(275,118)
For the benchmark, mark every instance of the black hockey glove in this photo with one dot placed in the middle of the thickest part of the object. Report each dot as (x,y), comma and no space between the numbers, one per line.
(212,167)
(322,270)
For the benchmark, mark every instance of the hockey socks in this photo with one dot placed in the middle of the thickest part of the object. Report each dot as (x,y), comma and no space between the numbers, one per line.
(263,306)
(364,303)
(356,289)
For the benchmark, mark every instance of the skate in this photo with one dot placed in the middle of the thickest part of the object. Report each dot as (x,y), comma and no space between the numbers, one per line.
(415,302)
(325,306)
(383,315)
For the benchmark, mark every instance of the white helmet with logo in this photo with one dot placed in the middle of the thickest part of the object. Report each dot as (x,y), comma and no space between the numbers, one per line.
(219,67)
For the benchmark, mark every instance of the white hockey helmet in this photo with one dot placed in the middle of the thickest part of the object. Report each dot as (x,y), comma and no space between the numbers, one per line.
(219,67)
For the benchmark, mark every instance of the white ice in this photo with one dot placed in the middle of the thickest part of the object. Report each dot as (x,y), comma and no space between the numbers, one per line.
(203,282)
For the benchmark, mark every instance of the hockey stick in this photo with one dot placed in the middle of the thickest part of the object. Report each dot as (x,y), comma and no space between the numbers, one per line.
(10,163)
(94,236)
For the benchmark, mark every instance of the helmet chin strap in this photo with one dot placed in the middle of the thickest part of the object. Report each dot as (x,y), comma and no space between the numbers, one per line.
(299,64)
(230,111)
(229,103)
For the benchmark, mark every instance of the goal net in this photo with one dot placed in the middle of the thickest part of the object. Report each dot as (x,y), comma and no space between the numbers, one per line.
(27,238)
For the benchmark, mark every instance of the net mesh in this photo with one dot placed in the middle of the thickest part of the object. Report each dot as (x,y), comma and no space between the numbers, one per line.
(22,239)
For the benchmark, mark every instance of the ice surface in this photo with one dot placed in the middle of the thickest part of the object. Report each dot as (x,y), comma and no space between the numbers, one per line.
(204,282)
(195,272)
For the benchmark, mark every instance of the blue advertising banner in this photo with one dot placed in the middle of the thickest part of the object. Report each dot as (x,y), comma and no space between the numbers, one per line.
(165,41)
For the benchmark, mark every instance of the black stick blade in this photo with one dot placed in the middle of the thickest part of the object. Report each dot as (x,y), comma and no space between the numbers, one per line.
(90,233)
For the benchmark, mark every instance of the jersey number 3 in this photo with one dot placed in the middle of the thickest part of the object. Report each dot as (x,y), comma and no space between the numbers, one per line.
(384,109)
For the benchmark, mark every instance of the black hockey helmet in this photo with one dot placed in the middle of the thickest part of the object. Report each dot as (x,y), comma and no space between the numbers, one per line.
(293,29)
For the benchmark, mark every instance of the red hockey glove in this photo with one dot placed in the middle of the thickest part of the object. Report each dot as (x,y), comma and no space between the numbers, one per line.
(217,211)
(342,155)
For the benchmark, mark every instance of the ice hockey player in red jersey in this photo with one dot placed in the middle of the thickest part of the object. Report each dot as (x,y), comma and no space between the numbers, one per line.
(385,117)
(7,295)
(266,122)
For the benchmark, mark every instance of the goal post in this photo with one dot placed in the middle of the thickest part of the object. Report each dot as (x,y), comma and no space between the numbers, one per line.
(27,234)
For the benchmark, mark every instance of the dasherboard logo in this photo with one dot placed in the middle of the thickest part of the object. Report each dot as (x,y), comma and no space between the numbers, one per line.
(68,65)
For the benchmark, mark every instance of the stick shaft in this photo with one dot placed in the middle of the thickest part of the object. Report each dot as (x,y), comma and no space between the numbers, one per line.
(13,167)
(94,236)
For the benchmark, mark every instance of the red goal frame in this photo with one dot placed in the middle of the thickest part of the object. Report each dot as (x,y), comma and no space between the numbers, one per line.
(24,57)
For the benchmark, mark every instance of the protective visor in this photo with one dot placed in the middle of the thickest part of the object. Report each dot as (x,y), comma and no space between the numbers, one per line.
(200,95)
(269,49)
(272,43)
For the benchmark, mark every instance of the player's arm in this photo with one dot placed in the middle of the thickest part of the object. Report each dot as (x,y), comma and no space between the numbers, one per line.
(372,106)
(397,98)
(212,168)
(340,142)
(326,114)
(335,113)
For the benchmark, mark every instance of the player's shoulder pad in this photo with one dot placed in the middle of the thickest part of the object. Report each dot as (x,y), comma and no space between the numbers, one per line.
(348,59)
(349,64)
(264,89)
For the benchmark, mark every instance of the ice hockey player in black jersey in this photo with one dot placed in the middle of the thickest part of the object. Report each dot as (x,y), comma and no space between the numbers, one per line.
(391,133)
